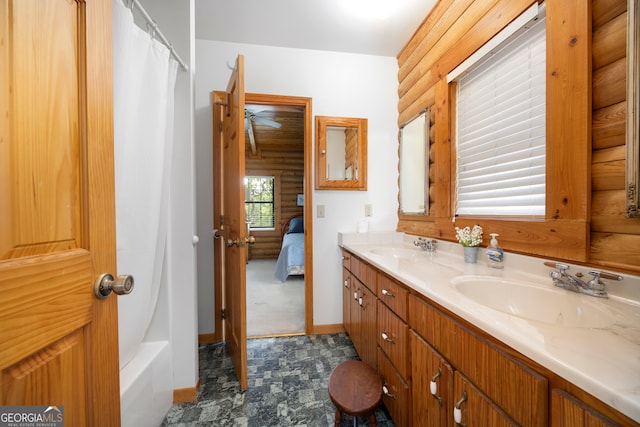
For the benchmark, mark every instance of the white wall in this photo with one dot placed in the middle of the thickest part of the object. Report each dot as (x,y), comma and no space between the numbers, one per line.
(176,20)
(339,84)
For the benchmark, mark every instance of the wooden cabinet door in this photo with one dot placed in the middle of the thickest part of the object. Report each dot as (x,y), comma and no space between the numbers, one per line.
(566,410)
(347,296)
(475,408)
(355,314)
(57,217)
(427,366)
(368,322)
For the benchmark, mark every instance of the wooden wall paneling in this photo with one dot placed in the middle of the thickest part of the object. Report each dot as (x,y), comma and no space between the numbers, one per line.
(609,41)
(442,34)
(616,251)
(608,175)
(430,48)
(608,213)
(608,128)
(605,10)
(610,84)
(418,45)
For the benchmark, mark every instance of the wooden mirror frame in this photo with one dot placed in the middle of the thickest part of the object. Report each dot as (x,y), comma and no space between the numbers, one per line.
(322,180)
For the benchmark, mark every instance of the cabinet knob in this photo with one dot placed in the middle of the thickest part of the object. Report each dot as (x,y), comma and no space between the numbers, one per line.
(387,293)
(387,393)
(386,337)
(433,387)
(457,411)
(346,283)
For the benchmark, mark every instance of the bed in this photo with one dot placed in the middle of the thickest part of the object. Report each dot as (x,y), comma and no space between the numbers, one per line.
(291,259)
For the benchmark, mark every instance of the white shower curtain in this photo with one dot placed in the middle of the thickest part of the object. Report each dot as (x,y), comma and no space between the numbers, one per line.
(144,75)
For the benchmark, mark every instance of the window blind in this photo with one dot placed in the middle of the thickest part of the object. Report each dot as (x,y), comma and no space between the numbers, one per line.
(501,123)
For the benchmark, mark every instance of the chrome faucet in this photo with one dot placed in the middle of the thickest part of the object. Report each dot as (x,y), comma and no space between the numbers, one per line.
(594,287)
(430,245)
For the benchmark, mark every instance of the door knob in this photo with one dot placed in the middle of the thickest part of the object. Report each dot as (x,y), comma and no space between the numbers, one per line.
(106,284)
(241,242)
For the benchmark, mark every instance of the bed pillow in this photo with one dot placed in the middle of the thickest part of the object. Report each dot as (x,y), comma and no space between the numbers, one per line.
(296,225)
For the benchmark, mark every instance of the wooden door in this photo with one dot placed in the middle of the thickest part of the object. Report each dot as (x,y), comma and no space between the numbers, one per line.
(57,218)
(235,229)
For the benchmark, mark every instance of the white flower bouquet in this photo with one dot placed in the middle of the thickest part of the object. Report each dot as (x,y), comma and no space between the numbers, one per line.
(469,237)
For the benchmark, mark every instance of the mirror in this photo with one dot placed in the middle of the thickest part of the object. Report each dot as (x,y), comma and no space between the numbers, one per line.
(633,110)
(414,166)
(341,153)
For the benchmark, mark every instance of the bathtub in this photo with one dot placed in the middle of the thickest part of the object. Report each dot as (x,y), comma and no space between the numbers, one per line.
(146,391)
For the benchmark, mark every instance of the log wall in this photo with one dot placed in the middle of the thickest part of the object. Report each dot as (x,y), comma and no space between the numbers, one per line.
(586,108)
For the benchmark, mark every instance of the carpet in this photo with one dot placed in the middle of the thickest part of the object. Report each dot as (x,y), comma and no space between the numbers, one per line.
(273,307)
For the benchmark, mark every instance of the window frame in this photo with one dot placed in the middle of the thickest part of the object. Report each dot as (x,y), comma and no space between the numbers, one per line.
(274,202)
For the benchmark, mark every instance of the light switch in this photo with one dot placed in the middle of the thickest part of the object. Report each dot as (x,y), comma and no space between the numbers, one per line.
(368,210)
(320,211)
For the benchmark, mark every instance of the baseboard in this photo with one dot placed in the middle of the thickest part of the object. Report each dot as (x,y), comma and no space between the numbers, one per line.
(207,339)
(328,329)
(184,395)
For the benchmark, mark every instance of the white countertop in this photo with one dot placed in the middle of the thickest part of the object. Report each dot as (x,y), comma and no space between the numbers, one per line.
(605,361)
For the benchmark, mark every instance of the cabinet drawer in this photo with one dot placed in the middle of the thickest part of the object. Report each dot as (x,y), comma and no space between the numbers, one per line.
(364,273)
(393,339)
(484,363)
(397,397)
(393,295)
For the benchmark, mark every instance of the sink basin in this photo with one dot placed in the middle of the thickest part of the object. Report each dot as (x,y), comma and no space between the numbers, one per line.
(535,302)
(396,252)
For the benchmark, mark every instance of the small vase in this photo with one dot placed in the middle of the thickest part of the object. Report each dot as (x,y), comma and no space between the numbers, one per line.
(470,254)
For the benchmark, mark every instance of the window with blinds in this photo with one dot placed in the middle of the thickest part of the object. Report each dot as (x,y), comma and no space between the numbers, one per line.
(501,127)
(259,201)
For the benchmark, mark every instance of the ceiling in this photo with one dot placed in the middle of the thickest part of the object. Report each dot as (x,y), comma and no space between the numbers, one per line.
(331,25)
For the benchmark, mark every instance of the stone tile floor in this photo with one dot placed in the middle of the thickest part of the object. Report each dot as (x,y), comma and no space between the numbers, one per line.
(288,380)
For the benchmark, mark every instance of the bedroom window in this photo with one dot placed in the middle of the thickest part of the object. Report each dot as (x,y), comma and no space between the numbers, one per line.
(259,202)
(501,123)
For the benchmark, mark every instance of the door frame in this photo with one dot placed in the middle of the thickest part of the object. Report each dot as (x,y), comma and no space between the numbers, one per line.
(218,100)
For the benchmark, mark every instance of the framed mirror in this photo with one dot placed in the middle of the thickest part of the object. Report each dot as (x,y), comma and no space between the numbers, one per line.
(341,153)
(414,166)
(633,110)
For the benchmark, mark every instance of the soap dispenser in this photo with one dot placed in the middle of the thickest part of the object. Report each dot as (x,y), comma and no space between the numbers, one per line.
(495,254)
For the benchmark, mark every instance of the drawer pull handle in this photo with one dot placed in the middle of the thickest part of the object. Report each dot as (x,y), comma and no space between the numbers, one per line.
(433,387)
(457,412)
(355,295)
(388,293)
(385,337)
(385,390)
(346,283)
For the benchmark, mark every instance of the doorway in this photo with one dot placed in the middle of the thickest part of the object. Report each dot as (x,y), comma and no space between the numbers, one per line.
(278,141)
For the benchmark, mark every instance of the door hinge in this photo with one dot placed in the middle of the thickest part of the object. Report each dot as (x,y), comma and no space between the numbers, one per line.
(224,313)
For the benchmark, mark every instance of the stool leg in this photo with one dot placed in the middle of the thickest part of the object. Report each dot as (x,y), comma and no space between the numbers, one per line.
(372,419)
(338,418)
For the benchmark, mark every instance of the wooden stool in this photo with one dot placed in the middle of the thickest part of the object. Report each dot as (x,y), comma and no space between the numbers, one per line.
(356,389)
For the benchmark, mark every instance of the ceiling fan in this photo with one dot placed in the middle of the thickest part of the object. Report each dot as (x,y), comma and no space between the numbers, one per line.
(252,116)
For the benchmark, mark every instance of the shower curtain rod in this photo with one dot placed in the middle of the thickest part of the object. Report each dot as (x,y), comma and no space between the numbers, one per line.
(157,32)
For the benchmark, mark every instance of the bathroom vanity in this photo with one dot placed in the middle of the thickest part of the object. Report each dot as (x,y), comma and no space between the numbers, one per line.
(482,346)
